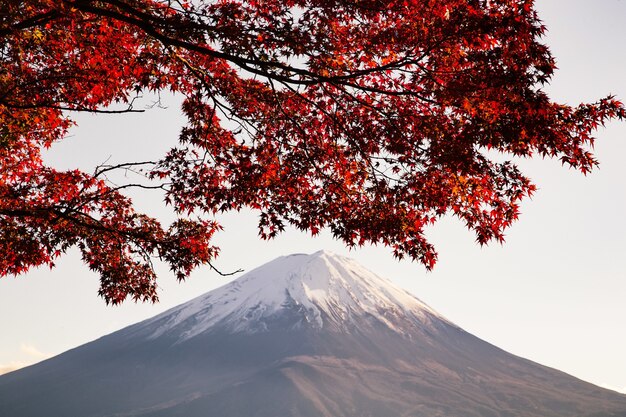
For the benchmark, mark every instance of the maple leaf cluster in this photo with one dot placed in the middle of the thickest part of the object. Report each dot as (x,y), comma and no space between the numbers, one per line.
(371,118)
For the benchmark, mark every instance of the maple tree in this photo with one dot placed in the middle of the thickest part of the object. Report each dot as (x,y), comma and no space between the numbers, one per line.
(373,118)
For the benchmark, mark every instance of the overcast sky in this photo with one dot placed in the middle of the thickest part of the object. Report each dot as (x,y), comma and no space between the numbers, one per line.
(554,293)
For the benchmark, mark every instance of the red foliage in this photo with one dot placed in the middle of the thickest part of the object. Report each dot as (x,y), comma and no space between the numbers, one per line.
(372,118)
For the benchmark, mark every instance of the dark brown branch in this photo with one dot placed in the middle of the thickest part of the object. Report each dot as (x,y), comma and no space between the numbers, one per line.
(224,274)
(101,169)
(66,108)
(33,21)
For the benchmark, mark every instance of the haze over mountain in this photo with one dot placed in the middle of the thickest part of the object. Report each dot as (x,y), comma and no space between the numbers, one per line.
(302,336)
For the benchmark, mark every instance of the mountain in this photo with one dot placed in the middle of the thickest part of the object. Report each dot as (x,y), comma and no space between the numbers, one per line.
(302,336)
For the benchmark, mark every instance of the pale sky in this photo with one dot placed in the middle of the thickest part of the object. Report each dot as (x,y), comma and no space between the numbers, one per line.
(554,293)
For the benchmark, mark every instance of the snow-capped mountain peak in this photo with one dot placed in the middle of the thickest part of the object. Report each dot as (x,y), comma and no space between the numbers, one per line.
(326,290)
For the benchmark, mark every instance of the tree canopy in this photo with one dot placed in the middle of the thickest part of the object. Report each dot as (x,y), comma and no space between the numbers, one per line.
(370,118)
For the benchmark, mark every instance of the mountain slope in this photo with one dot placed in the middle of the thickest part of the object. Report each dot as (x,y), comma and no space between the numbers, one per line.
(302,336)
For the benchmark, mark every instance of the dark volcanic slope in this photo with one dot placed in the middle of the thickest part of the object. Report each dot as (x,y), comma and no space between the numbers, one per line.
(304,336)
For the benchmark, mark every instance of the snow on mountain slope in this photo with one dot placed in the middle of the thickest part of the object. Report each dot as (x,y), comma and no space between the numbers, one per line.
(329,290)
